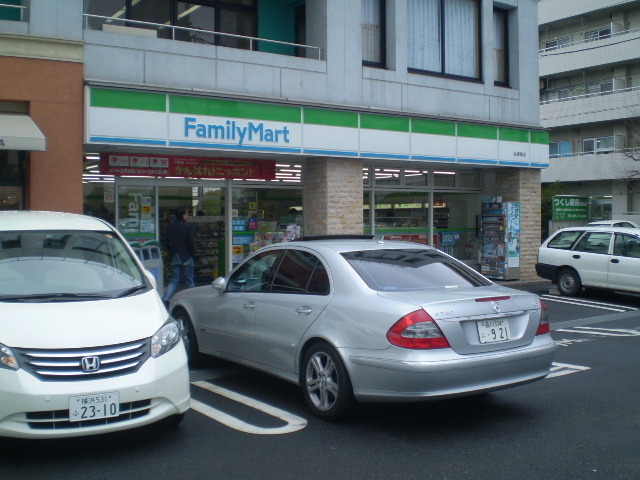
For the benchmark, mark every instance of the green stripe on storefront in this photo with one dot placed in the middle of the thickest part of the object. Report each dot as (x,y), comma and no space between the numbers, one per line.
(433,127)
(382,122)
(540,137)
(333,118)
(233,109)
(103,97)
(477,131)
(514,135)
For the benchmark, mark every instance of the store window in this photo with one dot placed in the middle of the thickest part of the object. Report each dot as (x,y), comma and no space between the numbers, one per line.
(500,46)
(12,179)
(444,37)
(373,32)
(262,216)
(137,214)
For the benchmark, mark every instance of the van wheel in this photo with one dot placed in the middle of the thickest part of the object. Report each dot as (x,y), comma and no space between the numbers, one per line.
(569,283)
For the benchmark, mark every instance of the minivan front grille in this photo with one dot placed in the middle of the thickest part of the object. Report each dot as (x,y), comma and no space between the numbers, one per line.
(79,364)
(59,419)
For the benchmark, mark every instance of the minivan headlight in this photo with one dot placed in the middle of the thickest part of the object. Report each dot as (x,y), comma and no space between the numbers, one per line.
(165,338)
(7,358)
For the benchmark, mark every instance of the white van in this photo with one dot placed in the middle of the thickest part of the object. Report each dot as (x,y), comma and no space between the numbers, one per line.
(86,345)
(591,256)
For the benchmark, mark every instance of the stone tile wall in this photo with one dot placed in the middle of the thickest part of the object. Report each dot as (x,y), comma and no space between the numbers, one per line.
(333,188)
(523,185)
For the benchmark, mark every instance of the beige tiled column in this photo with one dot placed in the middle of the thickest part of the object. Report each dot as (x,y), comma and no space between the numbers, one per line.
(523,185)
(333,202)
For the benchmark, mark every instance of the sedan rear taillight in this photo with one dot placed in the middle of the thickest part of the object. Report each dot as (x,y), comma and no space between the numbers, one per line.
(417,330)
(544,326)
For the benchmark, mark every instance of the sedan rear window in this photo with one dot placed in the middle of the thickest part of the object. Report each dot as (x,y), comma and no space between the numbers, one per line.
(411,269)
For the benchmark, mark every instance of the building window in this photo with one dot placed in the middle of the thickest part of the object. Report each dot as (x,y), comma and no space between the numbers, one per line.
(599,145)
(594,35)
(373,32)
(444,37)
(557,94)
(560,149)
(556,43)
(500,46)
(237,17)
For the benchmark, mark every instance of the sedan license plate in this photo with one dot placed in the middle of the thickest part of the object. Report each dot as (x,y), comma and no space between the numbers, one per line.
(93,407)
(491,331)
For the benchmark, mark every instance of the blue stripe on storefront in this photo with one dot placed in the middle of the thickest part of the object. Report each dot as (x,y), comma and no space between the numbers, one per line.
(139,141)
(384,155)
(330,152)
(475,160)
(235,147)
(519,164)
(437,159)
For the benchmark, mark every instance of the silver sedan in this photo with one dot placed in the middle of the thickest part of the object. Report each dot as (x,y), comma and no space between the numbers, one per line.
(361,319)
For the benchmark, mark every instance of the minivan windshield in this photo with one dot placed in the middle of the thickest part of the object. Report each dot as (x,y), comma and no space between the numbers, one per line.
(66,265)
(411,269)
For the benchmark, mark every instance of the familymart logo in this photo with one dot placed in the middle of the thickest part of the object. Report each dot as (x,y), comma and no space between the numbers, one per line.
(234,131)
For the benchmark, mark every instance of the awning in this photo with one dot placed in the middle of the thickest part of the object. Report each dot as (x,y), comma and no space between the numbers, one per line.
(19,132)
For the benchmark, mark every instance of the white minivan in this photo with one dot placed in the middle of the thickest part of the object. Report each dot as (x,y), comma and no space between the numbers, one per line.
(591,256)
(86,345)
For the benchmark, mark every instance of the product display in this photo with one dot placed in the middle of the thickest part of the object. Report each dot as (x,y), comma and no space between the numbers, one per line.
(500,235)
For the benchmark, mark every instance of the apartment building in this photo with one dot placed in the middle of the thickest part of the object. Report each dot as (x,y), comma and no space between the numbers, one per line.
(590,102)
(275,117)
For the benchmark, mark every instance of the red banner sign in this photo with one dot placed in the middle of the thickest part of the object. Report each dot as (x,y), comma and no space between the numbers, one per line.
(189,167)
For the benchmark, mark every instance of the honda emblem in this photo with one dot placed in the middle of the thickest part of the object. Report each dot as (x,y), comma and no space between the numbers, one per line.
(90,364)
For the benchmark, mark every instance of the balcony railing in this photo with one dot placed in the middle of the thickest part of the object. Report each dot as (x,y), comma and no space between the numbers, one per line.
(615,30)
(587,95)
(13,12)
(633,153)
(198,35)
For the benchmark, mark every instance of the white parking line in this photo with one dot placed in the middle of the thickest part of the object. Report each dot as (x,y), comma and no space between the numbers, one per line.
(293,422)
(560,369)
(603,332)
(588,303)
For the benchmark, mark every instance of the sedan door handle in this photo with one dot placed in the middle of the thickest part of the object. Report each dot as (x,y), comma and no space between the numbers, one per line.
(615,260)
(250,305)
(304,310)
(576,256)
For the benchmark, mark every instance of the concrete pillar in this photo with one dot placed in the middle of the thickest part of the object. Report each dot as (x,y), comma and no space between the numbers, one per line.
(333,196)
(523,185)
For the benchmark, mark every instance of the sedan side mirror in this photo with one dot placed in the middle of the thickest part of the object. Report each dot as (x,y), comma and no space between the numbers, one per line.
(219,284)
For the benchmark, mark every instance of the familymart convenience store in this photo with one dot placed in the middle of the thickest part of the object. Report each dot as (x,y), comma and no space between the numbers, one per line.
(258,172)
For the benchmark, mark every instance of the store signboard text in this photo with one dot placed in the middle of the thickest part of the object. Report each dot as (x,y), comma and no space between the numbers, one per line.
(180,166)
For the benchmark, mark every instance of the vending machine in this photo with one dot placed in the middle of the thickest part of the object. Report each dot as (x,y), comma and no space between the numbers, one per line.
(500,236)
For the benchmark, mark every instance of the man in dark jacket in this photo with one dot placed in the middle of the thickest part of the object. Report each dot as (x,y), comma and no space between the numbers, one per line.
(180,242)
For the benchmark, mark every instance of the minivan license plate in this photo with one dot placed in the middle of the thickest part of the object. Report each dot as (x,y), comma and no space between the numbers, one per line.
(93,407)
(491,331)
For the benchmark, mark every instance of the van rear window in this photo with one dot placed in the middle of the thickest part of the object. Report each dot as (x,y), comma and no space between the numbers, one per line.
(564,240)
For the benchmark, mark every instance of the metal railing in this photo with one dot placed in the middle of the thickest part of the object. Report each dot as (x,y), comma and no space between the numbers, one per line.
(22,11)
(546,51)
(196,34)
(589,95)
(630,152)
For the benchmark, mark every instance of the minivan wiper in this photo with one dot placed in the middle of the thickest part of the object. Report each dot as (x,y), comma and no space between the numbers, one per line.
(132,290)
(58,297)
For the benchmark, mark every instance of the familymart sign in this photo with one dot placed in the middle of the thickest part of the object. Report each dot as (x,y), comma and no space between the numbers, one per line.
(570,208)
(137,118)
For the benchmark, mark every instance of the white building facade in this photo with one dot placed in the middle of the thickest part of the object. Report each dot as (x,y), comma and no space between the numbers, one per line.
(270,117)
(590,102)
